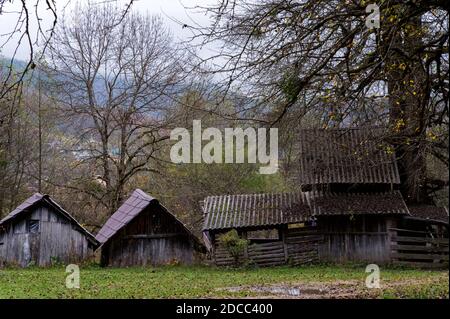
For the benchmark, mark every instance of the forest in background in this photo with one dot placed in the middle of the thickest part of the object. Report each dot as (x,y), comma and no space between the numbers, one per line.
(90,121)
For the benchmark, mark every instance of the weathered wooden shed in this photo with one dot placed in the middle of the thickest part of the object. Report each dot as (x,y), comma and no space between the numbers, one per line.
(356,227)
(143,232)
(348,208)
(349,161)
(279,228)
(40,232)
(304,227)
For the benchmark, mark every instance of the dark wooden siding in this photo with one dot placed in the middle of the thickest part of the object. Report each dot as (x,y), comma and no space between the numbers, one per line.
(154,237)
(355,238)
(57,240)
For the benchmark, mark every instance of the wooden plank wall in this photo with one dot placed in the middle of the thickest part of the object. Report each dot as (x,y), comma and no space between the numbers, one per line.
(303,245)
(222,257)
(57,241)
(267,254)
(152,238)
(125,252)
(417,249)
(355,239)
(296,246)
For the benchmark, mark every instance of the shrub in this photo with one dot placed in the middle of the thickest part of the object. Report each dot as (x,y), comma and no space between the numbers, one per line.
(233,244)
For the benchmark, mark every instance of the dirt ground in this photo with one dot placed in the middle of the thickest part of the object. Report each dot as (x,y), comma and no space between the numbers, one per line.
(341,289)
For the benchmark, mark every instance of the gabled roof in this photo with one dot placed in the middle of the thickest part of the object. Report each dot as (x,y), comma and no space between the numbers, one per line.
(262,210)
(132,207)
(348,155)
(30,201)
(430,213)
(37,199)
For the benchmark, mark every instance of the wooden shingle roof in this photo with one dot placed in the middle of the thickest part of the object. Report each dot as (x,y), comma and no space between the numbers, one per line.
(261,210)
(349,155)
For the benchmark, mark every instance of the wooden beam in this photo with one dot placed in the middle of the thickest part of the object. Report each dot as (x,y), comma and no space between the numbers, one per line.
(442,241)
(421,265)
(285,247)
(420,256)
(420,248)
(154,236)
(356,233)
(409,231)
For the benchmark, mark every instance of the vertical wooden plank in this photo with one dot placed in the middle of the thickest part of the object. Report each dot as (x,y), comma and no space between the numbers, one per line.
(283,233)
(245,236)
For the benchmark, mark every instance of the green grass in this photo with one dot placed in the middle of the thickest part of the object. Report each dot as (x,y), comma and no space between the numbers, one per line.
(205,282)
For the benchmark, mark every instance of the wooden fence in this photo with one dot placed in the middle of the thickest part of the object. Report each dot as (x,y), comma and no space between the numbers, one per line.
(418,249)
(296,247)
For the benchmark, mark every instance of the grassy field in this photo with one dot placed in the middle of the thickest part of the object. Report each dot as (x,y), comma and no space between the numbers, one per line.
(205,282)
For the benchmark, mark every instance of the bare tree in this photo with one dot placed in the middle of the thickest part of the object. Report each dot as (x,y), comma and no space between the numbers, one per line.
(35,24)
(24,35)
(114,81)
(302,57)
(18,150)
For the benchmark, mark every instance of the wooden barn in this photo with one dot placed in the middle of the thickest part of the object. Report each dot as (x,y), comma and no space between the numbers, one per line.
(40,232)
(143,232)
(347,209)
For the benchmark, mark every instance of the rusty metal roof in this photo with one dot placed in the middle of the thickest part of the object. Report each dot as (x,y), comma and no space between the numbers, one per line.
(260,210)
(132,207)
(350,155)
(431,213)
(37,199)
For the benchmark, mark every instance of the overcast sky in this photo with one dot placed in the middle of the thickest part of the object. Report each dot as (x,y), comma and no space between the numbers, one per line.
(169,9)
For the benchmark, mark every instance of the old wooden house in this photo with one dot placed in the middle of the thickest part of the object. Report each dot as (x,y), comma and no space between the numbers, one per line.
(40,232)
(143,232)
(347,208)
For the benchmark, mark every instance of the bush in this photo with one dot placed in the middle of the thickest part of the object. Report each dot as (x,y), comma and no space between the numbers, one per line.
(233,244)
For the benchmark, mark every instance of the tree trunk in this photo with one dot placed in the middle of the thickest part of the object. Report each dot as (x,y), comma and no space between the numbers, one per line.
(408,94)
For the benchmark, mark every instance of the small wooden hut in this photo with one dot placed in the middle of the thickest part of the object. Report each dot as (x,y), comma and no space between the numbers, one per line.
(349,161)
(40,232)
(348,209)
(143,232)
(278,227)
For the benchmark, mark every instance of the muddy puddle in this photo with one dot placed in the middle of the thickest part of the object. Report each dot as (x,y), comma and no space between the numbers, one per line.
(346,289)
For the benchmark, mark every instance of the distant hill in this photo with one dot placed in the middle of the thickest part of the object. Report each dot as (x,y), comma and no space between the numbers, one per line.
(17,64)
